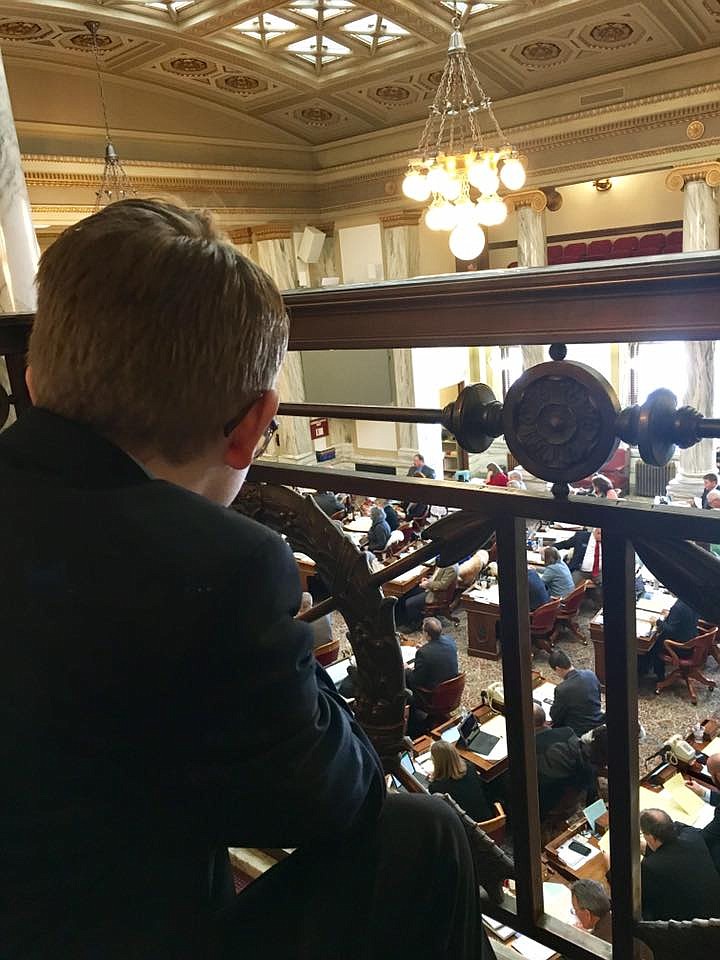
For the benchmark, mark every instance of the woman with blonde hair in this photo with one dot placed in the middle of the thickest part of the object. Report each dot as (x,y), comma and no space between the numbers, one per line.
(451,774)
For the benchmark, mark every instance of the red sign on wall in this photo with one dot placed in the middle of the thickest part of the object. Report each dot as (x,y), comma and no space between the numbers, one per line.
(319,428)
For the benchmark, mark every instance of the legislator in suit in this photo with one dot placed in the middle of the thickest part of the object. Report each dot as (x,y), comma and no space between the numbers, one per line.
(577,696)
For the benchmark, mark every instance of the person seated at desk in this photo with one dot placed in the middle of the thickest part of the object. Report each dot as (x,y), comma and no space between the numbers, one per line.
(561,762)
(451,774)
(679,879)
(591,564)
(537,589)
(556,576)
(322,628)
(591,905)
(515,480)
(577,696)
(391,515)
(409,609)
(710,482)
(496,477)
(681,624)
(578,544)
(379,532)
(436,661)
(711,833)
(415,510)
(329,502)
(602,487)
(419,466)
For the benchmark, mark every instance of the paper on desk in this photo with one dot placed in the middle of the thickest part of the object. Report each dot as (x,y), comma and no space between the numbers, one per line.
(546,691)
(691,803)
(604,842)
(712,748)
(408,652)
(533,951)
(338,671)
(573,859)
(558,902)
(495,726)
(664,800)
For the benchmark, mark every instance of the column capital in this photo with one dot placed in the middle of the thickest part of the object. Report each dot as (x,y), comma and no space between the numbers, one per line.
(679,176)
(535,199)
(240,235)
(400,218)
(328,228)
(272,231)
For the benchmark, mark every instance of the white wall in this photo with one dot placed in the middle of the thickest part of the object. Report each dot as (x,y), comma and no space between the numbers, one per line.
(433,369)
(361,251)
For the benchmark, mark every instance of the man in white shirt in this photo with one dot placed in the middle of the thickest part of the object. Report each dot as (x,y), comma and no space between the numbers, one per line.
(591,566)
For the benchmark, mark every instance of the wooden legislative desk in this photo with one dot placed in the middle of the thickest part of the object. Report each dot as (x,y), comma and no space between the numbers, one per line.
(393,588)
(647,611)
(483,615)
(593,869)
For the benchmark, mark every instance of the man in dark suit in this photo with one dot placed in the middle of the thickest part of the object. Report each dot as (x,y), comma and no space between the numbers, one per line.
(681,624)
(577,696)
(538,592)
(578,544)
(419,466)
(679,879)
(711,832)
(436,661)
(560,760)
(160,702)
(329,503)
(710,482)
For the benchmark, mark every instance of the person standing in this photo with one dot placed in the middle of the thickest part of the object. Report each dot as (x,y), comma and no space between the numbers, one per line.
(419,466)
(710,482)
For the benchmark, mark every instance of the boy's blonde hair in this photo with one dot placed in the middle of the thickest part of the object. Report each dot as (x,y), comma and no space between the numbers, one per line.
(153,329)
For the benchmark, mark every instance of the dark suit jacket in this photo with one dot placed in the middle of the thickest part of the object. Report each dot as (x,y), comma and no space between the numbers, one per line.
(679,881)
(393,520)
(561,764)
(537,590)
(424,469)
(578,542)
(711,832)
(159,704)
(328,502)
(577,702)
(434,663)
(680,623)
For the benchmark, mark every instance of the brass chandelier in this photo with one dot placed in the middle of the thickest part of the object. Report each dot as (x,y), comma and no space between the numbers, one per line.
(452,158)
(115,183)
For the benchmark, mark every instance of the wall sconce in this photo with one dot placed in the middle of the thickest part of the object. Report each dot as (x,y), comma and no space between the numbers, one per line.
(602,186)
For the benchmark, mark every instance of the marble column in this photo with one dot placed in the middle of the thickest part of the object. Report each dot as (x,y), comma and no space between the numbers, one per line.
(242,238)
(401,260)
(329,264)
(276,255)
(701,231)
(21,247)
(530,206)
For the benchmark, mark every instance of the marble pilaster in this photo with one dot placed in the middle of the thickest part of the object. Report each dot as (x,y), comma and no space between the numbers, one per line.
(276,255)
(329,264)
(21,247)
(401,260)
(701,231)
(530,206)
(242,238)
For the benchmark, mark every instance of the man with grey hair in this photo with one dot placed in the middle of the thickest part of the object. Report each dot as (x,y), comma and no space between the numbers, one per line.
(679,879)
(591,905)
(160,701)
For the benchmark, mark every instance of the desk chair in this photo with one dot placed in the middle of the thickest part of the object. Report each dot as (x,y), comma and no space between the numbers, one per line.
(542,625)
(567,614)
(443,604)
(327,653)
(442,701)
(714,650)
(687,660)
(495,827)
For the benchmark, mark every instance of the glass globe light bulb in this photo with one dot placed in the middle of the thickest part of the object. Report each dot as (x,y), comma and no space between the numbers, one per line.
(437,179)
(484,211)
(415,186)
(434,216)
(466,211)
(451,190)
(467,241)
(483,176)
(495,211)
(447,216)
(512,174)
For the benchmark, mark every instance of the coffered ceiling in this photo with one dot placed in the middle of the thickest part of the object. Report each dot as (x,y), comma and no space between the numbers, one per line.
(311,72)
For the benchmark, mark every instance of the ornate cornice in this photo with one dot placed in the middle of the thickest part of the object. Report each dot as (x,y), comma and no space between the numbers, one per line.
(400,218)
(679,176)
(327,227)
(535,199)
(240,235)
(272,231)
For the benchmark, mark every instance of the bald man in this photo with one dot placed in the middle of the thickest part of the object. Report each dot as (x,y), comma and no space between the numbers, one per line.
(711,832)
